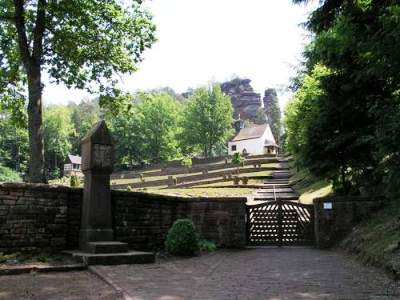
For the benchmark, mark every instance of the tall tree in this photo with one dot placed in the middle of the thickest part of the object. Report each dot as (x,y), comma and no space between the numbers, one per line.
(82,43)
(84,116)
(147,130)
(207,120)
(13,144)
(273,112)
(353,136)
(57,131)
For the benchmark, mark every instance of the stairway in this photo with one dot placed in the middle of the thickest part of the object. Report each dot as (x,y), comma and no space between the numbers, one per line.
(278,186)
(111,253)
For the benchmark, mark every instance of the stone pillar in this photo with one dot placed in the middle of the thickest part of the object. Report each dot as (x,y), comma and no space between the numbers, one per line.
(97,165)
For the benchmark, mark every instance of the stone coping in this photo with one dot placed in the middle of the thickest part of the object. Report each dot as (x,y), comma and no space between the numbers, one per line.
(348,199)
(178,198)
(14,186)
(18,186)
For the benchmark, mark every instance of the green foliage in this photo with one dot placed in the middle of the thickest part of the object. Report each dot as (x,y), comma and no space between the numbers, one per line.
(237,158)
(8,175)
(186,161)
(207,246)
(13,144)
(84,115)
(273,113)
(58,128)
(81,43)
(182,240)
(75,181)
(147,131)
(343,121)
(207,121)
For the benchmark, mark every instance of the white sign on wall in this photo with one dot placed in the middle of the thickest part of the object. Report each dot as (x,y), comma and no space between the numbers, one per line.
(327,205)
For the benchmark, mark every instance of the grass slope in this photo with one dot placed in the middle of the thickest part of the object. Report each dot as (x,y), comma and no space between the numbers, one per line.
(308,186)
(377,241)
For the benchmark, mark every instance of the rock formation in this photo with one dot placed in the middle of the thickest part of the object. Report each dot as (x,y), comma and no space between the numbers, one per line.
(245,101)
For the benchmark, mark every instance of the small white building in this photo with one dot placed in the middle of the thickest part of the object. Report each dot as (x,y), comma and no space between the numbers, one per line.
(255,140)
(73,165)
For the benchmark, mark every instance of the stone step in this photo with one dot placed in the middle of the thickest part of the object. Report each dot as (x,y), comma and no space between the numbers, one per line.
(269,194)
(130,257)
(277,190)
(107,247)
(272,198)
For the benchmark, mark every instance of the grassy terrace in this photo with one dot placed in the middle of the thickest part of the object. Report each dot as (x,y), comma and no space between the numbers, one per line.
(184,174)
(216,189)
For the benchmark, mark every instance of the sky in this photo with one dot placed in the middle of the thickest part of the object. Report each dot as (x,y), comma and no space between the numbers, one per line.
(201,41)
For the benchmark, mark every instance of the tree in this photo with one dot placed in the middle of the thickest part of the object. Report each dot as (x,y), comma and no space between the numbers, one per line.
(80,43)
(147,130)
(13,144)
(207,120)
(273,112)
(354,134)
(84,116)
(160,118)
(57,130)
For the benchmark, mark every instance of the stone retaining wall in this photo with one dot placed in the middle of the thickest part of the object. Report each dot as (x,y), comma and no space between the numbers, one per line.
(35,216)
(336,216)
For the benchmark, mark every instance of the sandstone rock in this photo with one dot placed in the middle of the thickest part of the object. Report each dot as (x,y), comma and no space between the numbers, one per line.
(244,100)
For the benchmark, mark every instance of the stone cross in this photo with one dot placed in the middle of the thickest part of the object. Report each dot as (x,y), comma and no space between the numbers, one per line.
(97,165)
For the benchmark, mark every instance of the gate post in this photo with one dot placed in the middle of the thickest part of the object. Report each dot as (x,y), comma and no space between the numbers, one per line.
(280,222)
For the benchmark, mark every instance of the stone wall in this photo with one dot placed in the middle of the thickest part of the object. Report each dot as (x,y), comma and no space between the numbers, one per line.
(36,216)
(336,216)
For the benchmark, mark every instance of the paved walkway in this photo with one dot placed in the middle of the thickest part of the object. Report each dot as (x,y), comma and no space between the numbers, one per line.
(259,273)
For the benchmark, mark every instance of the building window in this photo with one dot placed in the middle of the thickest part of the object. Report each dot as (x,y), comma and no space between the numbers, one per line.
(233,147)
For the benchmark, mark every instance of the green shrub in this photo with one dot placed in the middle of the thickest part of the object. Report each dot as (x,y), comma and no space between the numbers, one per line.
(236,180)
(237,158)
(187,162)
(207,246)
(8,175)
(245,180)
(182,239)
(75,181)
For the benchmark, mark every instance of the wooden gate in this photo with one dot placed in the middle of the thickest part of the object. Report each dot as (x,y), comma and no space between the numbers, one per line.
(280,223)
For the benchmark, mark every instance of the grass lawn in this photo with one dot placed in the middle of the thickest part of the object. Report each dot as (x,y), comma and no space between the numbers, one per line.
(376,241)
(201,192)
(309,187)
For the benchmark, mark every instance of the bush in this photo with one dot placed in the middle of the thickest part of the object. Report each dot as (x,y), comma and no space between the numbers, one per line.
(182,239)
(245,180)
(207,246)
(237,158)
(75,181)
(8,175)
(236,180)
(187,162)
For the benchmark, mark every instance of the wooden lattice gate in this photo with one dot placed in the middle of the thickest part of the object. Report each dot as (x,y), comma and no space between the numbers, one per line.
(280,223)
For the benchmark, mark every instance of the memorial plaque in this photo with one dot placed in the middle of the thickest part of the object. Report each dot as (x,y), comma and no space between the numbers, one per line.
(102,156)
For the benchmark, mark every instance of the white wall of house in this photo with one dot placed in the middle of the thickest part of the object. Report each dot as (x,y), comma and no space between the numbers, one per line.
(253,146)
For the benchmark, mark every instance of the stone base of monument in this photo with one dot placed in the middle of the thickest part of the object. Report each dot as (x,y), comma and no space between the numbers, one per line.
(111,253)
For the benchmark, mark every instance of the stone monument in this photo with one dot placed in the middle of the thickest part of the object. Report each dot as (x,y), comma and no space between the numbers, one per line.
(96,236)
(97,165)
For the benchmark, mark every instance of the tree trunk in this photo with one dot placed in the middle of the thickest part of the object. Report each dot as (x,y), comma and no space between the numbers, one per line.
(36,162)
